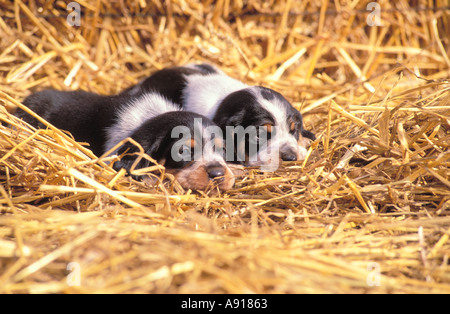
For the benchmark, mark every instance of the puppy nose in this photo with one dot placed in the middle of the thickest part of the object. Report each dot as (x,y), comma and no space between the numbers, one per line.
(288,155)
(215,171)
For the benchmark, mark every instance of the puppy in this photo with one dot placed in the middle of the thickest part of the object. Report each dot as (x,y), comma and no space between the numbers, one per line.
(258,122)
(181,141)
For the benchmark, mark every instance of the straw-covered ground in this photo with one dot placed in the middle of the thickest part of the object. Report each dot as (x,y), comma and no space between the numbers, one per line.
(367,211)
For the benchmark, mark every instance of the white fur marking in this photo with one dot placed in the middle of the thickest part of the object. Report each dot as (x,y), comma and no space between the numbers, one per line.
(204,93)
(134,114)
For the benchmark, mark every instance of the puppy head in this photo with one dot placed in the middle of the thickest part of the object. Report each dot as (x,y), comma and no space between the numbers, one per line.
(187,145)
(264,127)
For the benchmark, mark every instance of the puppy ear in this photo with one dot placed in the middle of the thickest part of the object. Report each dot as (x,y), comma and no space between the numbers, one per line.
(308,134)
(303,132)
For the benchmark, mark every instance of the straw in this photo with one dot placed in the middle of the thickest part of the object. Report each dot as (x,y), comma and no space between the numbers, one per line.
(367,211)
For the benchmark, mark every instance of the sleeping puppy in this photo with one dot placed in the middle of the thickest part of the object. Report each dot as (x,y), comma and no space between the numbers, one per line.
(181,141)
(258,122)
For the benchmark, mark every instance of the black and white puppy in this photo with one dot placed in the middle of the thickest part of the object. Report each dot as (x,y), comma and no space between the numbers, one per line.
(193,154)
(203,89)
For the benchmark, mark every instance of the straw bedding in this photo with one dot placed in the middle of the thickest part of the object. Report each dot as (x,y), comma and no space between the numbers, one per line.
(368,211)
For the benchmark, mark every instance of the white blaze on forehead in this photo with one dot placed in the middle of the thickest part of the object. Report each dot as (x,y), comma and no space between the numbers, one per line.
(134,114)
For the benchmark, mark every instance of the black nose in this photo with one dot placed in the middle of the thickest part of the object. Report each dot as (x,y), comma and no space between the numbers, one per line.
(288,155)
(215,171)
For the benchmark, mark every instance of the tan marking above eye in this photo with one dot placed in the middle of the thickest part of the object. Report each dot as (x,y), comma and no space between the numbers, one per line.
(190,143)
(292,126)
(268,127)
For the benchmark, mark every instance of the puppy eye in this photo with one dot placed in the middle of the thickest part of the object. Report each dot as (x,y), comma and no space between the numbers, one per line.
(185,150)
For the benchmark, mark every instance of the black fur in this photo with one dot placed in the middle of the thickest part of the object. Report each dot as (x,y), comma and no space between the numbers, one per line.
(85,115)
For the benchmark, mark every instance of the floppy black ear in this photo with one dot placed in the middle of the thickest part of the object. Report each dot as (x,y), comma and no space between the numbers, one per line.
(303,132)
(308,134)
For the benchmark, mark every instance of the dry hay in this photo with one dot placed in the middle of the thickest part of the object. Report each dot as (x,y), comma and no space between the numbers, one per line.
(371,199)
